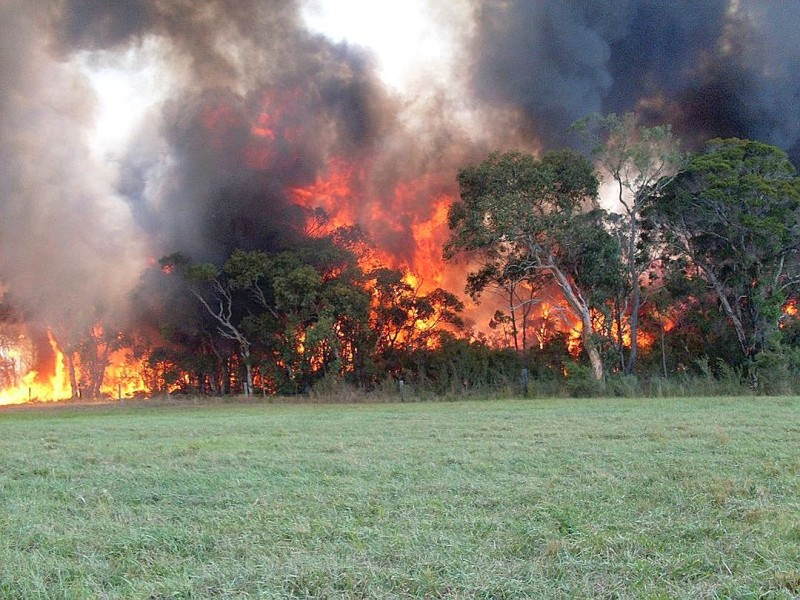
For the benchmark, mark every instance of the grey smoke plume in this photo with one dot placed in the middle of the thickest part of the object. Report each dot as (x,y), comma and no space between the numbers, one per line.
(253,105)
(69,249)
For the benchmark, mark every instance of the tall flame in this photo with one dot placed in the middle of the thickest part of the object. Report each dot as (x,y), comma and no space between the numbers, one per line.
(339,192)
(123,376)
(122,379)
(32,389)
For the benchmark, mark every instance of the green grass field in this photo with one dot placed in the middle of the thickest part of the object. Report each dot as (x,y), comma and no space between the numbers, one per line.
(670,498)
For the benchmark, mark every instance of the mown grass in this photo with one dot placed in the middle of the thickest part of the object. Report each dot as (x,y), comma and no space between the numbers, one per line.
(671,498)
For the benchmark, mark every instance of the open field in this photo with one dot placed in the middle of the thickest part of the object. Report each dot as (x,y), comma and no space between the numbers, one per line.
(546,499)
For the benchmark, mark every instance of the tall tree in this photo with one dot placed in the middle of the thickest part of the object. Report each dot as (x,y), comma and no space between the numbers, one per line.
(734,211)
(640,161)
(544,212)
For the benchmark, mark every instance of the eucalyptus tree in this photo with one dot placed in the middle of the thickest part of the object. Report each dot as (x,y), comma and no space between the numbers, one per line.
(640,161)
(540,217)
(734,212)
(299,314)
(216,292)
(518,291)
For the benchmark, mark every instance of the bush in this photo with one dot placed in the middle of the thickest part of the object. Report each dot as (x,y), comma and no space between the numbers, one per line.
(580,382)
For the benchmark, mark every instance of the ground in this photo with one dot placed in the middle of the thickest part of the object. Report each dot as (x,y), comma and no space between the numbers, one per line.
(482,499)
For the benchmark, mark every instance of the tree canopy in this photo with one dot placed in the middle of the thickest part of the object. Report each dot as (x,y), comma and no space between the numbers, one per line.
(540,217)
(640,161)
(734,213)
(713,247)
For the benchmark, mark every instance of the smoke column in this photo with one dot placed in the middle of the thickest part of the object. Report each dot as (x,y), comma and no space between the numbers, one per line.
(69,248)
(251,105)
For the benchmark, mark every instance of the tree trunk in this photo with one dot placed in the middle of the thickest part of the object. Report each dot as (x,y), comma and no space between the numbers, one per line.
(597,364)
(581,309)
(514,330)
(738,327)
(591,348)
(248,368)
(663,346)
(635,291)
(634,324)
(73,378)
(620,341)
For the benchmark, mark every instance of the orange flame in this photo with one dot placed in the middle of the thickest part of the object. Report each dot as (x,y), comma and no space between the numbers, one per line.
(123,376)
(789,310)
(409,214)
(122,379)
(574,341)
(332,191)
(31,389)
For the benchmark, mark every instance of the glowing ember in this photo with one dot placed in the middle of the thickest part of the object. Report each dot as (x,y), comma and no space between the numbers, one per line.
(263,127)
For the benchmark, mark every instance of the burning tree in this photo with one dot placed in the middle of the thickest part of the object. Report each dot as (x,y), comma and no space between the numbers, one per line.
(404,320)
(543,216)
(294,315)
(519,291)
(214,289)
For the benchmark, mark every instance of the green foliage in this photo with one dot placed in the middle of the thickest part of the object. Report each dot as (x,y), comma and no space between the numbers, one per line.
(640,161)
(593,257)
(734,213)
(308,314)
(637,158)
(538,219)
(727,225)
(460,367)
(514,199)
(202,273)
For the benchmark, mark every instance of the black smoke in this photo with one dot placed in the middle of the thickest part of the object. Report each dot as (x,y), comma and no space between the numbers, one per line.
(205,173)
(713,68)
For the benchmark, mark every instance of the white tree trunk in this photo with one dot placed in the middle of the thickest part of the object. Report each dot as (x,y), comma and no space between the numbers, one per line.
(581,309)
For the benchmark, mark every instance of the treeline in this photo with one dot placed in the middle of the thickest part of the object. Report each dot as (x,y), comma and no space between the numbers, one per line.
(692,281)
(689,284)
(701,258)
(282,322)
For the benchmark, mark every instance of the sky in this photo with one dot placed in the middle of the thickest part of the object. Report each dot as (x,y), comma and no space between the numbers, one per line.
(131,129)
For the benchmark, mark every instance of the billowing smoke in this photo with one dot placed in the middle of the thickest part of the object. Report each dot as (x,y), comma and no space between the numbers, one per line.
(258,106)
(714,68)
(69,248)
(250,106)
